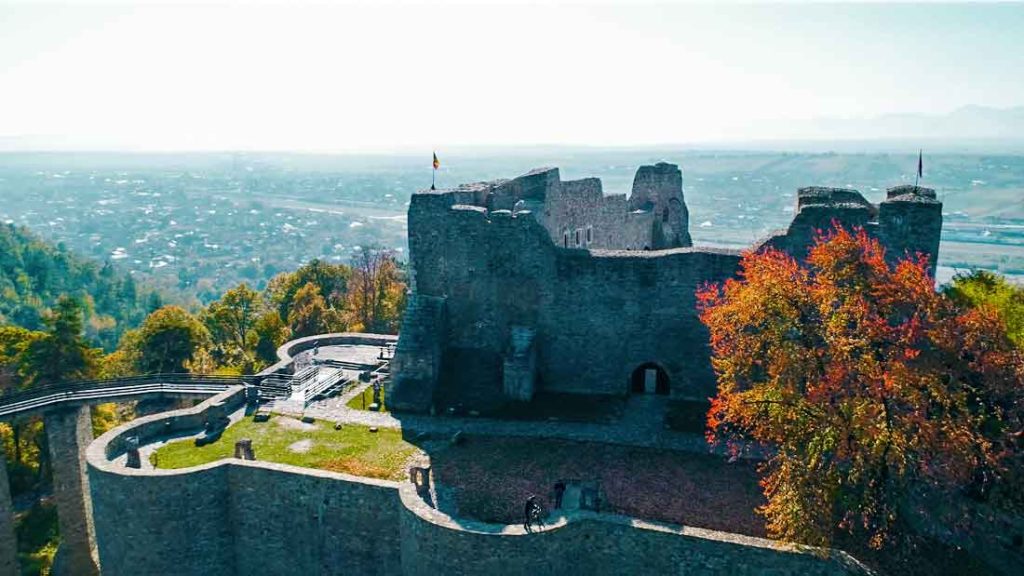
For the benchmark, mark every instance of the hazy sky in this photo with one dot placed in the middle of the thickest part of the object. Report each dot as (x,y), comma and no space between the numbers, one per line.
(388,76)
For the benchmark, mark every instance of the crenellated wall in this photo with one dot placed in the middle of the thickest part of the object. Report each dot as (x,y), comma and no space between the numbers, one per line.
(597,314)
(250,517)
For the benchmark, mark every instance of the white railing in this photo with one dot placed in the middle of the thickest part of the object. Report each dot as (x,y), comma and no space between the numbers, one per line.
(321,385)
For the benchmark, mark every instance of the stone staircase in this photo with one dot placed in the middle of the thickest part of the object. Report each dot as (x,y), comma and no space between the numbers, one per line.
(417,360)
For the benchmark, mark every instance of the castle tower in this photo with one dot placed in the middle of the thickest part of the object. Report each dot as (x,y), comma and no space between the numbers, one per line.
(659,189)
(910,221)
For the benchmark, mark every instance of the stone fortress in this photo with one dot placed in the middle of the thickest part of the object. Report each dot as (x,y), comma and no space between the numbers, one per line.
(536,283)
(520,286)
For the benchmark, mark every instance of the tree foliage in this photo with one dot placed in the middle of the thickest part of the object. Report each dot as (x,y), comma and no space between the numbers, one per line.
(231,322)
(169,340)
(271,332)
(34,274)
(984,288)
(331,281)
(61,355)
(309,312)
(376,293)
(876,397)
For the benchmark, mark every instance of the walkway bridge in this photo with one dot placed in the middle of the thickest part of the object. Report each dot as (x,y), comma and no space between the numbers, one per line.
(41,398)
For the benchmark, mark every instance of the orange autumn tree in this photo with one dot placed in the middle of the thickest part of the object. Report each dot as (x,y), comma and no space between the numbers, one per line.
(873,394)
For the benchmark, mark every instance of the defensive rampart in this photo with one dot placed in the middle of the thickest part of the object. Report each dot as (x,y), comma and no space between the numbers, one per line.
(243,517)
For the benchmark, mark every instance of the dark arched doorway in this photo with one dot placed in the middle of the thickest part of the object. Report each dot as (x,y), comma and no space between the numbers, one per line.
(649,378)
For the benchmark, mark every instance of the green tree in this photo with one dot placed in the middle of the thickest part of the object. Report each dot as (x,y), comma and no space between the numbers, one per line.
(153,302)
(231,322)
(271,333)
(984,288)
(35,274)
(331,281)
(62,355)
(169,339)
(14,344)
(309,313)
(14,341)
(125,361)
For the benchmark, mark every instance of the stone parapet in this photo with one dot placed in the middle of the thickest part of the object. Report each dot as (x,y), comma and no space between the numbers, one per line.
(250,517)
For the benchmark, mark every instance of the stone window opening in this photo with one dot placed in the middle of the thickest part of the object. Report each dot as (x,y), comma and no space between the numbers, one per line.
(577,237)
(565,239)
(590,234)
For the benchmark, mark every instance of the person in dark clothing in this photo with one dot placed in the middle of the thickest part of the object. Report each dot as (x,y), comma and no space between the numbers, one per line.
(531,514)
(559,492)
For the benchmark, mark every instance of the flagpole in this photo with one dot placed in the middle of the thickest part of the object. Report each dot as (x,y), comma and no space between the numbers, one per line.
(917,175)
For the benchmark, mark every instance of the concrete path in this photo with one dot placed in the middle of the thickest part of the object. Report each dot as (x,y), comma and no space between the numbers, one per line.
(640,425)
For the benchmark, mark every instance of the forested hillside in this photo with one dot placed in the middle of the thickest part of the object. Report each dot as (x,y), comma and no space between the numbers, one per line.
(66,318)
(34,274)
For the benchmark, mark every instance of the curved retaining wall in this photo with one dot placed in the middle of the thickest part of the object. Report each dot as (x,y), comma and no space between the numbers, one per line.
(287,351)
(236,517)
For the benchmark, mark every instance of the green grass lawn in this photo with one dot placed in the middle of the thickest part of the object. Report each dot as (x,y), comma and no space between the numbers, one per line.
(363,401)
(352,450)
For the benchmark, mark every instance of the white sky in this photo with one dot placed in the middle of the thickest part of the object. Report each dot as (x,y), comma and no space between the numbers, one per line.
(431,74)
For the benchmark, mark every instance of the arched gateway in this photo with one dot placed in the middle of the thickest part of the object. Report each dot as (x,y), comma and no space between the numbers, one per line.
(649,378)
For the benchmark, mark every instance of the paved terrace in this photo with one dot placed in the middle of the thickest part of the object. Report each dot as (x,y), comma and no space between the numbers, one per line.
(640,425)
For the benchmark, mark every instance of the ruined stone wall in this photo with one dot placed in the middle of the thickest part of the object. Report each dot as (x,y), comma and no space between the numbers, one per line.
(235,517)
(598,544)
(244,518)
(287,520)
(909,221)
(580,209)
(659,190)
(600,314)
(174,523)
(8,539)
(161,521)
(597,314)
(613,311)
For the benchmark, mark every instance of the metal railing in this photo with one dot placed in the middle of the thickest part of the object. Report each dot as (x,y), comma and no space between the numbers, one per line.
(97,390)
(88,391)
(322,385)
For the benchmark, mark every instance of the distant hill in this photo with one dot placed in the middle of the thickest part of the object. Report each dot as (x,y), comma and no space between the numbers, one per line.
(34,273)
(970,128)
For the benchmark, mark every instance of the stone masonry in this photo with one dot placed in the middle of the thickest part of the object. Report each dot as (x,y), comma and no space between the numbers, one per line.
(253,517)
(538,284)
(8,541)
(68,432)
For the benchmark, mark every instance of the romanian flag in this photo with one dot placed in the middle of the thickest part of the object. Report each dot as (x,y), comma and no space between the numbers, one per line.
(437,163)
